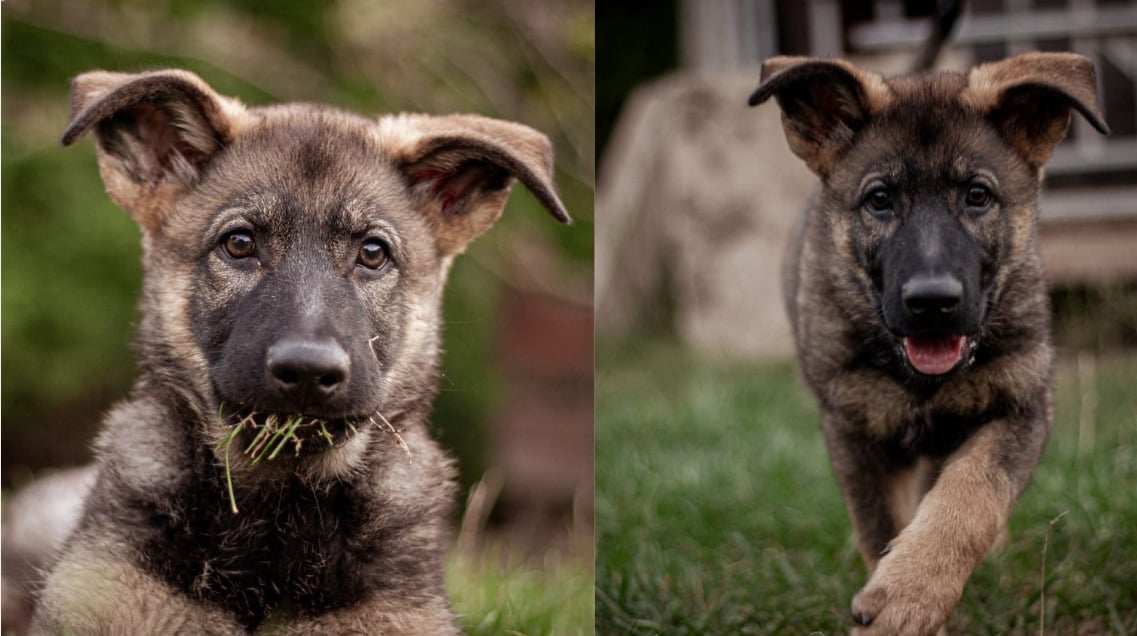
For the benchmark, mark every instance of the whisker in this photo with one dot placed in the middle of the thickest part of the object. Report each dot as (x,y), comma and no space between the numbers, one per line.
(398,438)
(371,345)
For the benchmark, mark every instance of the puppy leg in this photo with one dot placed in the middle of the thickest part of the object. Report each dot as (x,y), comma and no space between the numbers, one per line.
(866,473)
(93,590)
(917,584)
(398,617)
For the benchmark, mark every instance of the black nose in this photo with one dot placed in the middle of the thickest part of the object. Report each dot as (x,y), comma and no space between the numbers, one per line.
(931,296)
(307,371)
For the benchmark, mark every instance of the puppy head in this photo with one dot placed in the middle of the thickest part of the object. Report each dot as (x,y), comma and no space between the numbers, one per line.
(295,254)
(930,186)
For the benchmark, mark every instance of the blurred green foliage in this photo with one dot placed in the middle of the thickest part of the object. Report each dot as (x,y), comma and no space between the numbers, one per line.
(496,596)
(70,259)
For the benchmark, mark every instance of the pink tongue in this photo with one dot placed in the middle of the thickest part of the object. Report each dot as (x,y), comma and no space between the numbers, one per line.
(934,355)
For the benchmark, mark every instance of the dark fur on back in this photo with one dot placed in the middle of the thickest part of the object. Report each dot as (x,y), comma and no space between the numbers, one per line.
(919,305)
(294,260)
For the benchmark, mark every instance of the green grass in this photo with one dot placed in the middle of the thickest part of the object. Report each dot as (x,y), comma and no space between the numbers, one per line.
(495,599)
(717,512)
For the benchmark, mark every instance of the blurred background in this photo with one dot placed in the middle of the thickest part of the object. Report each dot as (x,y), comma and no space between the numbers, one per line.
(723,170)
(716,508)
(517,395)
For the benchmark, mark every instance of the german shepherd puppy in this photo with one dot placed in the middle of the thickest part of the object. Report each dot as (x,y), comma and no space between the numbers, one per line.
(295,257)
(919,304)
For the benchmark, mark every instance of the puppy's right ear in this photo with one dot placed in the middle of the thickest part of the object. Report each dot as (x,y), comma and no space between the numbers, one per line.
(155,132)
(824,103)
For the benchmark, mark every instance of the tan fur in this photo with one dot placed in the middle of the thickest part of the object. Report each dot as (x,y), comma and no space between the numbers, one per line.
(1073,73)
(820,147)
(424,143)
(991,87)
(96,591)
(916,585)
(99,94)
(393,619)
(887,408)
(907,488)
(865,392)
(877,94)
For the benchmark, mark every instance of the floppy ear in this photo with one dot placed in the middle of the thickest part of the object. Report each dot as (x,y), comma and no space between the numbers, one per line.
(1030,97)
(154,134)
(459,169)
(824,103)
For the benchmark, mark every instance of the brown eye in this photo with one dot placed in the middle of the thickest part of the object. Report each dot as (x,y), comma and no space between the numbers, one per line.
(239,244)
(978,197)
(373,254)
(879,202)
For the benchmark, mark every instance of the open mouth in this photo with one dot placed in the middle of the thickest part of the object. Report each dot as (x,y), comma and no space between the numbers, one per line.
(935,354)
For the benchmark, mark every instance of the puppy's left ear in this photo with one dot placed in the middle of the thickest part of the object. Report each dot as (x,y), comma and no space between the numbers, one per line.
(1030,98)
(460,168)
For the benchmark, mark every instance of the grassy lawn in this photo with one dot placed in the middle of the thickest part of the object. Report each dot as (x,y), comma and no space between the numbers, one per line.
(520,599)
(717,512)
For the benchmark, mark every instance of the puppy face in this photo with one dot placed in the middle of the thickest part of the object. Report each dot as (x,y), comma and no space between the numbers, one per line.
(310,258)
(929,186)
(295,255)
(926,205)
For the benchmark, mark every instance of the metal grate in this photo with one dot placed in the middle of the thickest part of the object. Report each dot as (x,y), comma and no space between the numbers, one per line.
(1090,176)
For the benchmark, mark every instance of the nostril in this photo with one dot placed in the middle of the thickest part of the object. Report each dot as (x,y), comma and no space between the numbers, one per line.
(287,376)
(329,381)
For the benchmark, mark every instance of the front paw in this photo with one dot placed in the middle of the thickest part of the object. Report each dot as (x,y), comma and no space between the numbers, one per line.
(903,598)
